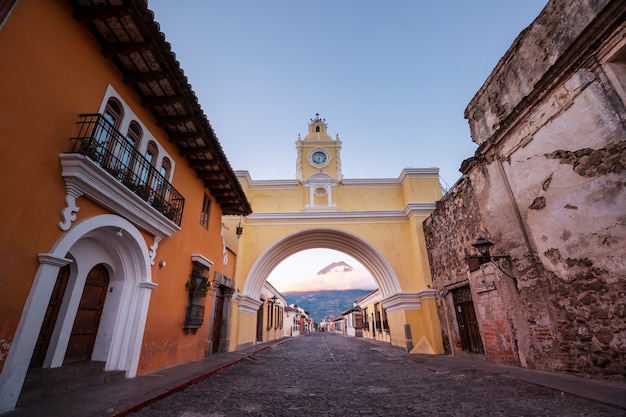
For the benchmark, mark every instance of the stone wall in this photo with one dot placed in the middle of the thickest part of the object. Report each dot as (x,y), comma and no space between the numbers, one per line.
(548,187)
(449,232)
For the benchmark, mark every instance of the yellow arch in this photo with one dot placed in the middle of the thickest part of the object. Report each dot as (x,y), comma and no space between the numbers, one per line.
(339,240)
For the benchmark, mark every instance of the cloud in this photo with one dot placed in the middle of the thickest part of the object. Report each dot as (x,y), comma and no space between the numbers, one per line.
(336,278)
(335,271)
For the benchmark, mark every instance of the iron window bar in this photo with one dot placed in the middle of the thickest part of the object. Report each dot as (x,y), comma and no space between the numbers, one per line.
(195,315)
(108,148)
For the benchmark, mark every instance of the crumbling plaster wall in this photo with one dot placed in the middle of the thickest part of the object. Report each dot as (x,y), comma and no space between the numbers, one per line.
(549,180)
(534,53)
(568,186)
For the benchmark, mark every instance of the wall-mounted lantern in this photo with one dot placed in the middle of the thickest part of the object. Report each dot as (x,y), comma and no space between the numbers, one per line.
(239,229)
(500,261)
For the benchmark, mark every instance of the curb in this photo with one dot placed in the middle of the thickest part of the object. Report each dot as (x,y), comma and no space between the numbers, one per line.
(183,385)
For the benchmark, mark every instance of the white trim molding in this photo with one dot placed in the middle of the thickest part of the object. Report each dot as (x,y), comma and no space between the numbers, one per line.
(202,260)
(247,304)
(84,177)
(407,300)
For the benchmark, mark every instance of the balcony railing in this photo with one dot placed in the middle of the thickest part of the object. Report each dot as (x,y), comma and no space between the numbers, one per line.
(102,143)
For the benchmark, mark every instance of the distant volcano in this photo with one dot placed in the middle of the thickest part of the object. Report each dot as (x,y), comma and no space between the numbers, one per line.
(340,266)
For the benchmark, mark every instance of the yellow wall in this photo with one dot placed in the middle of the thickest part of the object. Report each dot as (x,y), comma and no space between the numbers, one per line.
(398,238)
(52,71)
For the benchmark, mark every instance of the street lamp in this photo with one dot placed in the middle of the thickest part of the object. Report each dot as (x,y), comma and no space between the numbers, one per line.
(483,246)
(500,261)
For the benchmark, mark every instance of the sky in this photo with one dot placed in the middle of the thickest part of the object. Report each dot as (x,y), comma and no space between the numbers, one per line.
(300,272)
(392,78)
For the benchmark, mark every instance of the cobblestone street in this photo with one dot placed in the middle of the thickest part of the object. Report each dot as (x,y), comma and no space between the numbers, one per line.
(324,374)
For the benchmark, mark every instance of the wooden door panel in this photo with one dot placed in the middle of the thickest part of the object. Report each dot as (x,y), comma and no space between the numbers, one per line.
(50,319)
(85,329)
(468,327)
(217,322)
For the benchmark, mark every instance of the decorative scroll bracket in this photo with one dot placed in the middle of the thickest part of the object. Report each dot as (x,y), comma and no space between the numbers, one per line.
(69,212)
(153,248)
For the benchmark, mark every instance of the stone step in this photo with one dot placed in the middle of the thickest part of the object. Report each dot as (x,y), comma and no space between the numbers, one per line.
(43,383)
(71,371)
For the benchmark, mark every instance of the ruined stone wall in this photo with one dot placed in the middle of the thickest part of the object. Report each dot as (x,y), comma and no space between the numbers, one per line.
(449,232)
(549,184)
(534,53)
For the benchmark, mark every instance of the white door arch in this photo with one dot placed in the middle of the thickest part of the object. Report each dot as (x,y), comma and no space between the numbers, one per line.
(108,239)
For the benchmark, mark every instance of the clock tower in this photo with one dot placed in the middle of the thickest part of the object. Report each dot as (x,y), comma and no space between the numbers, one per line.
(318,152)
(318,164)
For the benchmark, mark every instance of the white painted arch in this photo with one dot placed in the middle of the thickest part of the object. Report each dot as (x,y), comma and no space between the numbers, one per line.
(316,238)
(108,239)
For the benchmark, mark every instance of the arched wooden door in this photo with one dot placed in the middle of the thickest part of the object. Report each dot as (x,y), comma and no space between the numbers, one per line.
(50,319)
(85,329)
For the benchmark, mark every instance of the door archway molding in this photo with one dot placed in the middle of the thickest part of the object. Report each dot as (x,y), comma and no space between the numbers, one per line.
(124,243)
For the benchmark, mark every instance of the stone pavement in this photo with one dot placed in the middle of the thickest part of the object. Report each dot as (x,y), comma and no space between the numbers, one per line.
(324,374)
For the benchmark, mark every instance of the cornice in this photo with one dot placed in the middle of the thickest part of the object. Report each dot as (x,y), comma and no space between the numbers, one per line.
(410,210)
(54,260)
(247,304)
(244,176)
(202,260)
(406,174)
(370,298)
(407,300)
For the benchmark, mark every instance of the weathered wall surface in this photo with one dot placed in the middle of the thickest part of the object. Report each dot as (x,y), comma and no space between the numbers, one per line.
(449,233)
(534,53)
(549,189)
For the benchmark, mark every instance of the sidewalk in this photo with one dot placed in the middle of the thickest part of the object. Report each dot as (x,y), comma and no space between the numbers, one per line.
(123,397)
(606,392)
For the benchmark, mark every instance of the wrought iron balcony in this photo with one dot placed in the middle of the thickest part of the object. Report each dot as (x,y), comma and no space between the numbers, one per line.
(108,148)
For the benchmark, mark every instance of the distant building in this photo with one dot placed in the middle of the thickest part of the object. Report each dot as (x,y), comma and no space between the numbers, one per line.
(271,314)
(350,322)
(297,321)
(374,316)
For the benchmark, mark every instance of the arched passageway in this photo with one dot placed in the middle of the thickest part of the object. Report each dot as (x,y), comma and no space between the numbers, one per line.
(335,239)
(405,309)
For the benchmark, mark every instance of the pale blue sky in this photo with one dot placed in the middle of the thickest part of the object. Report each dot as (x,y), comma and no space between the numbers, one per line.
(392,78)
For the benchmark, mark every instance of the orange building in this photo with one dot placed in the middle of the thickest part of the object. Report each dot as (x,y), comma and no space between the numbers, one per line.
(112,248)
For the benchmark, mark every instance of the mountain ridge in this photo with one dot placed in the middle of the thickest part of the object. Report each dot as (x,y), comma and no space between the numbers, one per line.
(325,303)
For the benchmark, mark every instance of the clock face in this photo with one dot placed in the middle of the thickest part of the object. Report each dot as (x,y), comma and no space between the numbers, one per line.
(318,158)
